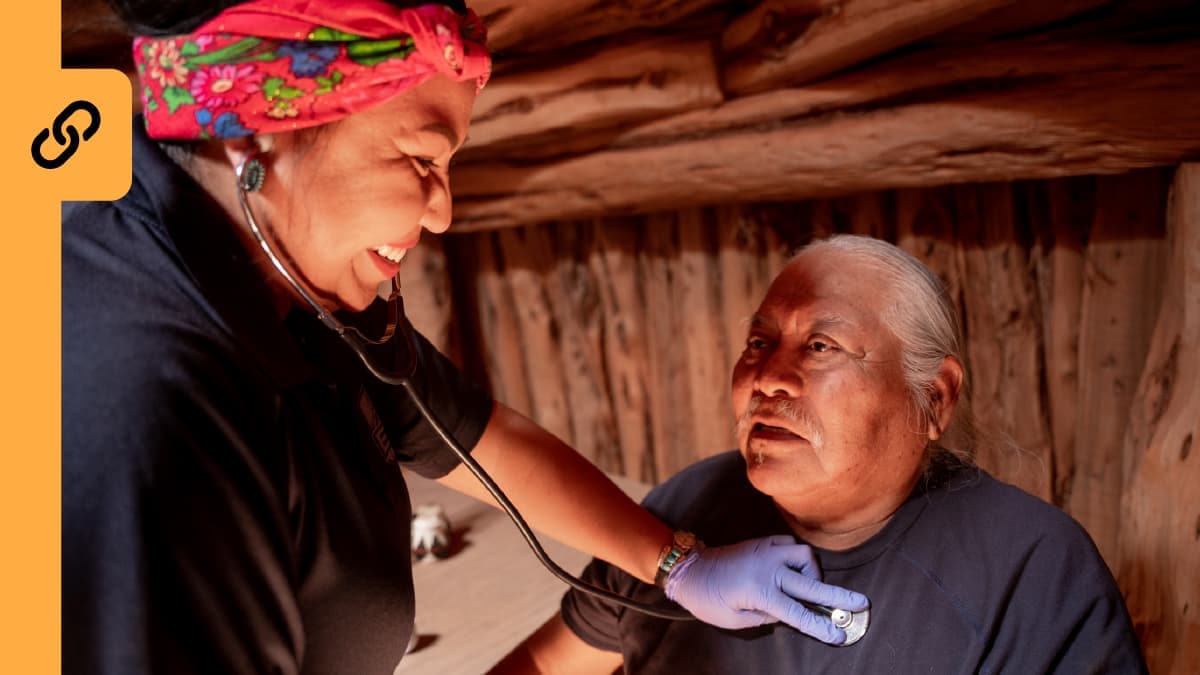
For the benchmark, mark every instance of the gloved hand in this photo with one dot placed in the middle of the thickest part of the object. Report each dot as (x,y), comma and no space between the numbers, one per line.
(757,582)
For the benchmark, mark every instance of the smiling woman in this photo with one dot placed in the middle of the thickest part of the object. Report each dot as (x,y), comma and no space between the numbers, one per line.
(343,244)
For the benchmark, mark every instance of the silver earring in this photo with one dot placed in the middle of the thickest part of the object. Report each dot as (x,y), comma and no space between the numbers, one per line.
(251,173)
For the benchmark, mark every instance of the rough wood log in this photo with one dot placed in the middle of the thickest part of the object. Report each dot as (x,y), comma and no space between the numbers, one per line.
(631,83)
(575,298)
(1003,339)
(926,76)
(1160,505)
(821,223)
(1018,17)
(528,261)
(1123,279)
(870,214)
(703,338)
(500,328)
(539,25)
(674,439)
(615,264)
(1101,121)
(791,45)
(1061,223)
(427,297)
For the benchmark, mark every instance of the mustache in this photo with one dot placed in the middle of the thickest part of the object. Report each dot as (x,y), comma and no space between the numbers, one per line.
(799,420)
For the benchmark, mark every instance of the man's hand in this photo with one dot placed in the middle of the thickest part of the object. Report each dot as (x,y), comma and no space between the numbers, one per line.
(758,582)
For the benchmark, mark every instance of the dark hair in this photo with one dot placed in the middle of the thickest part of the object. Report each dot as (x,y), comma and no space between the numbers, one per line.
(172,17)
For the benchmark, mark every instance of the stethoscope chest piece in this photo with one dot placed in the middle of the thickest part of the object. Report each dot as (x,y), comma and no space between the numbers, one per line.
(854,623)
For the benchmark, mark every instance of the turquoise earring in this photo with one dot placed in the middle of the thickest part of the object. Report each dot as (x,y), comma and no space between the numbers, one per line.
(250,174)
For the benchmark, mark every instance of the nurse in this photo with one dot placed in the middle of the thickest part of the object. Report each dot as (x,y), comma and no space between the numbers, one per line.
(231,496)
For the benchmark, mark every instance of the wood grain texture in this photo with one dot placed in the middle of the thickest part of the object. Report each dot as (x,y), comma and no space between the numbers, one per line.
(703,337)
(1160,505)
(790,45)
(425,281)
(574,295)
(500,329)
(623,85)
(673,433)
(528,260)
(1095,121)
(1061,224)
(1122,291)
(615,264)
(1003,332)
(541,25)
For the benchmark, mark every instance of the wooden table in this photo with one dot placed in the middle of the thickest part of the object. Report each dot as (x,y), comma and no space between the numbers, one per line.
(475,606)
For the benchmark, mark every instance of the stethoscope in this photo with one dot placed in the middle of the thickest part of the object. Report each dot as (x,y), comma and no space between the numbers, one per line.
(250,174)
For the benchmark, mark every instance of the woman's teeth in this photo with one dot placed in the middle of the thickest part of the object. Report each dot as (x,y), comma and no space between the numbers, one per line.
(393,254)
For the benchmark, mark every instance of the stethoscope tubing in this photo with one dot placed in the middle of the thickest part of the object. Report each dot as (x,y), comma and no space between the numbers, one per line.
(358,344)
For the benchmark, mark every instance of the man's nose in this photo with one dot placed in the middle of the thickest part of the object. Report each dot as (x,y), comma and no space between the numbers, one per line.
(779,374)
(438,204)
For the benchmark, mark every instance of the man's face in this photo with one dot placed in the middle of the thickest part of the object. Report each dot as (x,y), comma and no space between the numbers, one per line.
(825,421)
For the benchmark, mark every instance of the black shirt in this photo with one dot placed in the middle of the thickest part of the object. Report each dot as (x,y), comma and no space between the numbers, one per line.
(969,576)
(228,503)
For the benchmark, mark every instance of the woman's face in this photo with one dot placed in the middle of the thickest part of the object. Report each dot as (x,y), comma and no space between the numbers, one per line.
(345,204)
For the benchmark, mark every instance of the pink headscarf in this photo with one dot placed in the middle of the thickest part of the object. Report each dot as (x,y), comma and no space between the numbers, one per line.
(279,65)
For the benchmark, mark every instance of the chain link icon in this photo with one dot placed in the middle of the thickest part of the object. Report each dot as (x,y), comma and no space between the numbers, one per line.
(72,138)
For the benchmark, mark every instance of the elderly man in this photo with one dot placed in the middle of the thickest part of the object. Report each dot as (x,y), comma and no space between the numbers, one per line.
(846,398)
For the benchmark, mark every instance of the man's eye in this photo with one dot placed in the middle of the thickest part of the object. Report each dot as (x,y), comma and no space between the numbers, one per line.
(755,343)
(820,346)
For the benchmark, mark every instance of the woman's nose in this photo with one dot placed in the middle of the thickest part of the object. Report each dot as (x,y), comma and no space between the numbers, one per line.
(438,205)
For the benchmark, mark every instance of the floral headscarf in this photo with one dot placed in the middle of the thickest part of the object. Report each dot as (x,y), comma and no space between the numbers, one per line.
(279,65)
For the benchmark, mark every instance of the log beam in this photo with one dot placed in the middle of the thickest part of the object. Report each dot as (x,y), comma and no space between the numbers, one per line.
(925,76)
(539,25)
(1123,263)
(631,83)
(781,43)
(1160,507)
(1104,120)
(1018,17)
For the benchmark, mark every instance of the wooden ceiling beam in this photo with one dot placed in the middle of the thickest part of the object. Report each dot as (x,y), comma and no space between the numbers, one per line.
(626,84)
(523,26)
(782,43)
(1020,16)
(1104,118)
(927,75)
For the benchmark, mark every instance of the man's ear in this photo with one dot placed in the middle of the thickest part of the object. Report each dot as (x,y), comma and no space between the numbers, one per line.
(946,387)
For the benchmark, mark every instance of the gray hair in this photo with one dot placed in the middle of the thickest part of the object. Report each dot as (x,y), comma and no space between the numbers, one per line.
(924,319)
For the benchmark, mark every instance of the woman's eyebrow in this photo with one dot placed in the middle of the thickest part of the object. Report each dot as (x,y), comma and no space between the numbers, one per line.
(444,130)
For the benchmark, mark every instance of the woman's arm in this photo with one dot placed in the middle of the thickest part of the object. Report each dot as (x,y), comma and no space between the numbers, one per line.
(555,649)
(562,494)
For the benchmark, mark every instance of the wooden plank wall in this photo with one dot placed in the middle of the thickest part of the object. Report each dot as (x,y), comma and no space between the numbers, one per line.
(618,334)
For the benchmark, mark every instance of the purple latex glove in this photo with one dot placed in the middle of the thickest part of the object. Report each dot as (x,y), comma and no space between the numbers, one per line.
(757,582)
